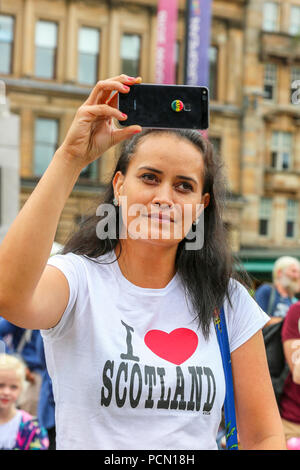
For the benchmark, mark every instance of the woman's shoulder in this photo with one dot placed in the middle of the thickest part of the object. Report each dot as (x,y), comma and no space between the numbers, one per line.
(237,288)
(80,259)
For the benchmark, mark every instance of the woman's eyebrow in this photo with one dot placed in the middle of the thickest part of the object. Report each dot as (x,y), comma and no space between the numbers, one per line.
(188,178)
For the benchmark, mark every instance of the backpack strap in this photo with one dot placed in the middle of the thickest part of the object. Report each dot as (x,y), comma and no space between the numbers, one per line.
(271,300)
(25,338)
(229,408)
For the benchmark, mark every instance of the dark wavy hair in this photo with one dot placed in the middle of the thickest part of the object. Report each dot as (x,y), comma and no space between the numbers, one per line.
(205,273)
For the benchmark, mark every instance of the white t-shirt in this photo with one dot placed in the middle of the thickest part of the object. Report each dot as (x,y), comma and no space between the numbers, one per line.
(129,365)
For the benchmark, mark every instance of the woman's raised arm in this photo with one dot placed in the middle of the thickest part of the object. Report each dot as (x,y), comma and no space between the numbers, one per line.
(30,295)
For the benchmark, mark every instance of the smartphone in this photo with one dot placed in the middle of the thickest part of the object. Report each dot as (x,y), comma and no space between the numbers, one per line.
(165,106)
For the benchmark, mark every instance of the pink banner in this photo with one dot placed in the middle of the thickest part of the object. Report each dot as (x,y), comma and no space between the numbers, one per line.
(166,42)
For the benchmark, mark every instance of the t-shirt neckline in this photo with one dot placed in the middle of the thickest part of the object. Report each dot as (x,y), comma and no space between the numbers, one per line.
(137,289)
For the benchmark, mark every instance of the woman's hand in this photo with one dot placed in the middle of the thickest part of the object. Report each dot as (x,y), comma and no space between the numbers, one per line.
(93,131)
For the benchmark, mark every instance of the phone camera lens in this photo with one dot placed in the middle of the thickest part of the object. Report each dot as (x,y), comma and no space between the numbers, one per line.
(204,98)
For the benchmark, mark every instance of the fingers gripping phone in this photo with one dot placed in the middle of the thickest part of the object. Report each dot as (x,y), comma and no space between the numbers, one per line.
(165,106)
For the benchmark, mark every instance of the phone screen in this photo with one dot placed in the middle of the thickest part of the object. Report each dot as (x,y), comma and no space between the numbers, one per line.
(166,106)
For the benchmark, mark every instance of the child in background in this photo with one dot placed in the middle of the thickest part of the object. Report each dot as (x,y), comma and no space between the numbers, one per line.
(18,429)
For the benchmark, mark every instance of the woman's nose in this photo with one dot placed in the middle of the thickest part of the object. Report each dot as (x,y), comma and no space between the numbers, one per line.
(163,196)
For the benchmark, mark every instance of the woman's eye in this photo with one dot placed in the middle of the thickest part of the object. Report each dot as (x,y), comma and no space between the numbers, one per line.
(149,177)
(187,186)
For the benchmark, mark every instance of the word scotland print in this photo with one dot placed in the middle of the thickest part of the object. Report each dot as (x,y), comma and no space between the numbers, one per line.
(181,387)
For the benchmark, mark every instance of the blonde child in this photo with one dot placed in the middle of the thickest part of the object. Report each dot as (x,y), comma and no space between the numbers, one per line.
(18,429)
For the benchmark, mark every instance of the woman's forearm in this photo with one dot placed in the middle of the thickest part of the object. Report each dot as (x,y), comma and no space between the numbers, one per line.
(27,245)
(273,442)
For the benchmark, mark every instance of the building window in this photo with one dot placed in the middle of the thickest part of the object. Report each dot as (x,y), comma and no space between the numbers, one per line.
(281,150)
(295,20)
(270,16)
(45,143)
(6,43)
(265,213)
(88,55)
(213,73)
(291,218)
(130,54)
(89,173)
(270,81)
(295,76)
(45,49)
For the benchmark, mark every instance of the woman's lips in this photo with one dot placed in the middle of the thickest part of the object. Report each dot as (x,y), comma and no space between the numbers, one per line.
(160,216)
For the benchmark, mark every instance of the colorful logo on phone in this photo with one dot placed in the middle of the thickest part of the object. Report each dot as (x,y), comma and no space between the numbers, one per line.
(177,106)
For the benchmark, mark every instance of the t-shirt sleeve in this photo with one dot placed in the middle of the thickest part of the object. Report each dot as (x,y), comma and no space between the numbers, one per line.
(244,316)
(291,324)
(71,266)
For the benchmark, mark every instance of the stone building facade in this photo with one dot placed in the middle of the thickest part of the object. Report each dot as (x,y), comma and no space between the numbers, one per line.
(254,59)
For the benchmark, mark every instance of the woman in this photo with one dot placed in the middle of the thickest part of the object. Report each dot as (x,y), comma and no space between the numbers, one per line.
(130,344)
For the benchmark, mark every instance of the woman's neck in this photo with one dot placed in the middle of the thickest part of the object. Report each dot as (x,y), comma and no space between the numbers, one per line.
(7,414)
(149,266)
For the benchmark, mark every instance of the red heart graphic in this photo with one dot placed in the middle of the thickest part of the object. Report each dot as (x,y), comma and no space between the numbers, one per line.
(176,346)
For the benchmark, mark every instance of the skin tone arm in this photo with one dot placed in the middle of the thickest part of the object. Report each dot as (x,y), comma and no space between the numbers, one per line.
(291,349)
(258,420)
(27,284)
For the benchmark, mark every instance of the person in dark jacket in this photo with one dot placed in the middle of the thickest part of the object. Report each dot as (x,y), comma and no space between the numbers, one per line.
(277,298)
(46,406)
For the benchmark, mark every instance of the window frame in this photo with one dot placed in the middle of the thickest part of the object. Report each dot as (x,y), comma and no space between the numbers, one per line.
(264,216)
(292,6)
(292,219)
(281,149)
(276,22)
(55,64)
(37,117)
(98,59)
(216,83)
(12,51)
(271,80)
(130,33)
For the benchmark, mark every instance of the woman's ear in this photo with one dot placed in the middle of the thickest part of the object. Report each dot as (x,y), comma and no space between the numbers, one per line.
(117,182)
(205,200)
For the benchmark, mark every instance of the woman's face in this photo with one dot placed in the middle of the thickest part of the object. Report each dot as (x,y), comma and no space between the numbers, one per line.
(10,388)
(161,193)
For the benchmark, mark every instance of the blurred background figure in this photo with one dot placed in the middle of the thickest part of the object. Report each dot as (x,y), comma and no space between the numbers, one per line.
(46,406)
(18,429)
(275,299)
(290,400)
(23,343)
